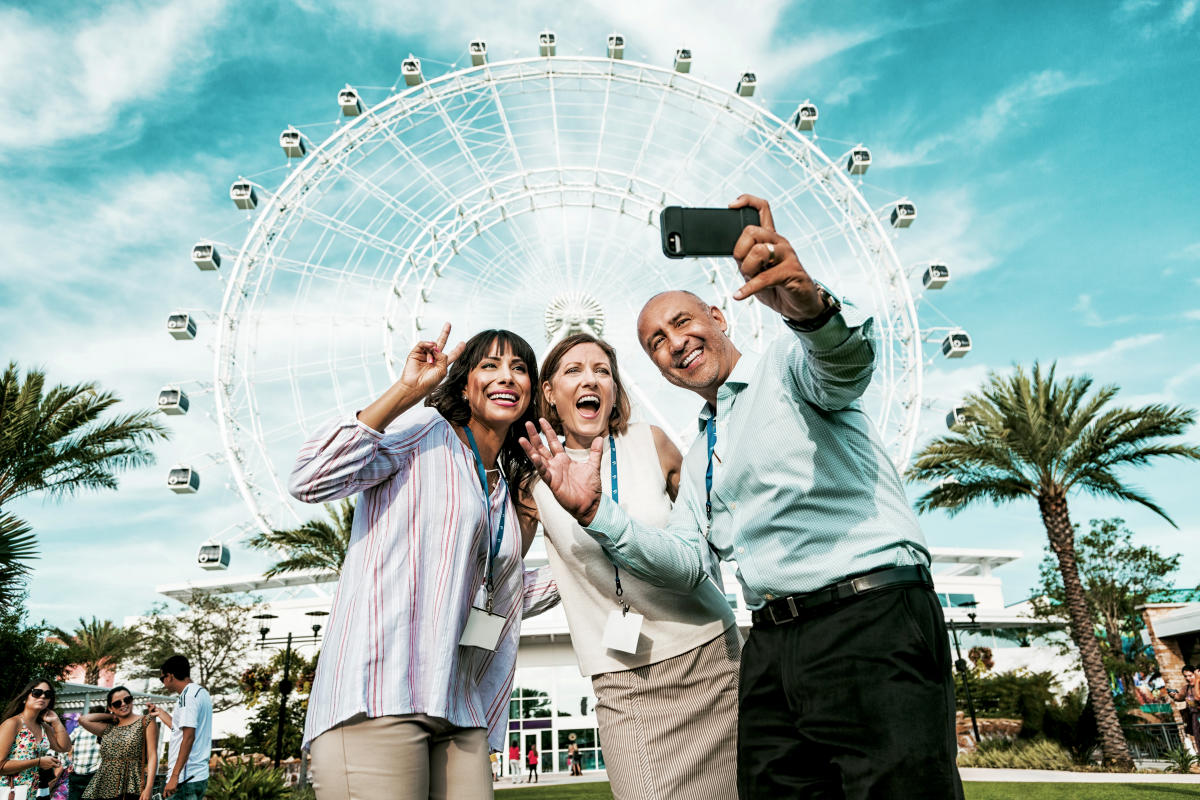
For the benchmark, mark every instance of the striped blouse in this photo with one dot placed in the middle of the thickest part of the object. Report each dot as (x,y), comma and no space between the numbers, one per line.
(415,564)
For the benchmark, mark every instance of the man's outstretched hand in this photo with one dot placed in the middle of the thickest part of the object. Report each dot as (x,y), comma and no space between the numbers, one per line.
(574,484)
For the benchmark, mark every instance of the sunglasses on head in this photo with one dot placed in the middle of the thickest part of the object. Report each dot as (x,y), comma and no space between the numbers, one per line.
(37,694)
(121,702)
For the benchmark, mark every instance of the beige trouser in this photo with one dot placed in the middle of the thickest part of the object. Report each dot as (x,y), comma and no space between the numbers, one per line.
(410,757)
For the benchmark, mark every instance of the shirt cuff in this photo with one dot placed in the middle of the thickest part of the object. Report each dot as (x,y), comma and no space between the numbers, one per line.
(609,521)
(834,333)
(355,422)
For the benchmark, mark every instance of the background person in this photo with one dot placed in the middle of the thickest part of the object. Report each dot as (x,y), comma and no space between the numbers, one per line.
(672,702)
(531,758)
(790,480)
(191,731)
(399,708)
(514,762)
(85,758)
(29,731)
(128,750)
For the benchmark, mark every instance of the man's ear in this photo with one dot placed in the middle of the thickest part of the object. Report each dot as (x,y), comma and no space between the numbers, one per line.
(719,318)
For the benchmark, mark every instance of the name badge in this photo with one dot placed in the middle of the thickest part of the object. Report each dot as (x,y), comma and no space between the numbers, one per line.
(622,630)
(483,629)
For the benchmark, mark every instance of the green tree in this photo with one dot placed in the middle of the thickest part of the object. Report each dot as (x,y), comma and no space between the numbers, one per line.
(212,631)
(1117,576)
(57,442)
(97,646)
(317,544)
(1031,436)
(260,690)
(26,652)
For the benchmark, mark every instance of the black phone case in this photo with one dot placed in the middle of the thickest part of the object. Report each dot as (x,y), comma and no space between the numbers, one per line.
(704,231)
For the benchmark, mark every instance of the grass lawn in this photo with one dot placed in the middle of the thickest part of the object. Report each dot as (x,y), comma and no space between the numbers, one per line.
(974,791)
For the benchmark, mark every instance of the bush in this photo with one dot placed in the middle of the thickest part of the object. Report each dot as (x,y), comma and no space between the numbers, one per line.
(1180,760)
(1000,753)
(1018,694)
(234,781)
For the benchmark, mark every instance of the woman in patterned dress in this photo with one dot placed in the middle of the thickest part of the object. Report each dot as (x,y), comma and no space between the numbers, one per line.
(128,750)
(29,731)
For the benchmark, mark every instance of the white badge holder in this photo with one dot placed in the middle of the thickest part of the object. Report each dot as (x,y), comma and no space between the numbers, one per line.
(483,629)
(622,630)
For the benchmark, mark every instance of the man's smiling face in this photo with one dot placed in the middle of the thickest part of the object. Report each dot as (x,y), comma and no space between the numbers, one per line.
(686,340)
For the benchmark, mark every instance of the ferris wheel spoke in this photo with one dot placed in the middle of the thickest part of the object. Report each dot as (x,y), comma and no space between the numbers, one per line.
(384,197)
(340,226)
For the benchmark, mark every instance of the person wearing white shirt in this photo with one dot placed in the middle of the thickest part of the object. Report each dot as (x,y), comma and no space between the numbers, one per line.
(191,731)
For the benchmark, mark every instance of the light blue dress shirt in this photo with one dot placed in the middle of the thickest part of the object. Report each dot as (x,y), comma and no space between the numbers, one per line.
(803,495)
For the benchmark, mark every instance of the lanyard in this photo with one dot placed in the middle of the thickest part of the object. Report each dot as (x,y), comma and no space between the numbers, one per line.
(711,427)
(612,459)
(493,549)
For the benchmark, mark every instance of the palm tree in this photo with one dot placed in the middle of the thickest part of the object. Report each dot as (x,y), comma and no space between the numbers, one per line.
(1029,436)
(97,646)
(54,441)
(17,546)
(317,544)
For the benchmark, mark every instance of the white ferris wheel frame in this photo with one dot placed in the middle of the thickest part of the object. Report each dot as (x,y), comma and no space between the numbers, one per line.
(495,201)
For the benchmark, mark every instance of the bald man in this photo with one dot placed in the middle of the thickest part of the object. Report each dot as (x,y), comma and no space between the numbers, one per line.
(845,687)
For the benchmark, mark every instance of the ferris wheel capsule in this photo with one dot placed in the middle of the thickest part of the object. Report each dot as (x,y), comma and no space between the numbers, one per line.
(805,117)
(410,68)
(181,326)
(956,344)
(182,479)
(205,256)
(213,555)
(478,50)
(903,214)
(683,60)
(172,401)
(616,45)
(292,143)
(860,160)
(936,276)
(956,418)
(243,195)
(350,102)
(547,43)
(746,84)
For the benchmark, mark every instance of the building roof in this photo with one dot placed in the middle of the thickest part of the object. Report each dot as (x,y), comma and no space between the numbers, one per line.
(1182,621)
(246,583)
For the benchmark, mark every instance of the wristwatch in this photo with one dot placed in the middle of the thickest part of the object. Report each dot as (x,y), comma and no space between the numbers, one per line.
(831,307)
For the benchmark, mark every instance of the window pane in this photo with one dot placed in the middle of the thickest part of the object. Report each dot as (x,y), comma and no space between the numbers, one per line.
(956,600)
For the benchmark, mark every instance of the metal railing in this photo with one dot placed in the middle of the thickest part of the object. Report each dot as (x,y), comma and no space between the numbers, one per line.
(1151,741)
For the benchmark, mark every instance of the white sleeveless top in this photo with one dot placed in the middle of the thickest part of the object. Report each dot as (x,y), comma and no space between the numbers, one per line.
(674,623)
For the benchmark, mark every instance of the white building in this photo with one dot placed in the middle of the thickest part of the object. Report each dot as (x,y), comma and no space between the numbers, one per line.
(552,701)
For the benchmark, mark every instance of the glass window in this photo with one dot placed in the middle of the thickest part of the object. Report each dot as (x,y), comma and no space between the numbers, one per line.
(732,600)
(943,600)
(956,600)
(584,737)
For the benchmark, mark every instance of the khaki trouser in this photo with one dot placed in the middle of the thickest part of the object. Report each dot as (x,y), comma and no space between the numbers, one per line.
(410,757)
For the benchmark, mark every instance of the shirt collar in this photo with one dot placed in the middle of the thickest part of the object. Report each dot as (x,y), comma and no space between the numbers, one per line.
(739,379)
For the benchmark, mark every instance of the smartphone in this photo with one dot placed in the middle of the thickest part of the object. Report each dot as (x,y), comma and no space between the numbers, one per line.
(703,231)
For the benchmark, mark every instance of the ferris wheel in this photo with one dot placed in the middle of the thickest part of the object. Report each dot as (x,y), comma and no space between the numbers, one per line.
(525,194)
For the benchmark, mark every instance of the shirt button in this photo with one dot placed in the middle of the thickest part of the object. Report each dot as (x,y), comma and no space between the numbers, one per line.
(769,596)
(741,549)
(733,506)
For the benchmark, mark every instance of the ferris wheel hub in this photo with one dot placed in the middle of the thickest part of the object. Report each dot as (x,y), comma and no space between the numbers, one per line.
(573,312)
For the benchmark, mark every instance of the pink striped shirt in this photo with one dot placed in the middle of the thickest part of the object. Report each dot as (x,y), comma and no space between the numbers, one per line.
(416,561)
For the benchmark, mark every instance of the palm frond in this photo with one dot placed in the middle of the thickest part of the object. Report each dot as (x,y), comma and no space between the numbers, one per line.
(18,545)
(317,544)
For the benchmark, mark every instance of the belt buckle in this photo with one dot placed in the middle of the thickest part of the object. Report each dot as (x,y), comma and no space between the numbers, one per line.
(791,602)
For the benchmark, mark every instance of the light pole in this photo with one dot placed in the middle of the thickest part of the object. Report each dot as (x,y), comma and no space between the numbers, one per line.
(285,685)
(960,663)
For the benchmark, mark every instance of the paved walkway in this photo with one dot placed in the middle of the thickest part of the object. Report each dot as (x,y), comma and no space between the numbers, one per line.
(1056,776)
(968,774)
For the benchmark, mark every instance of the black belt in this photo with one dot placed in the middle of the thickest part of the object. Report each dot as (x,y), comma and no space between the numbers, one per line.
(785,609)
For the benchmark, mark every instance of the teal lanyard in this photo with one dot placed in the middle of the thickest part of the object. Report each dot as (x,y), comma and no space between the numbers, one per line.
(612,459)
(493,549)
(711,427)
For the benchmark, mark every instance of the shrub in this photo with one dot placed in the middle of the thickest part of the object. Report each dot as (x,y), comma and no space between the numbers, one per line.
(1001,753)
(244,781)
(1180,760)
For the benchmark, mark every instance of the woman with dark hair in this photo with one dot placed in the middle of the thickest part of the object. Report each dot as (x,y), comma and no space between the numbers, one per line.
(128,750)
(664,666)
(29,731)
(412,687)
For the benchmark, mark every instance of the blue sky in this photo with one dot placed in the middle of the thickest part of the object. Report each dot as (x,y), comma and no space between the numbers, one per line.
(1047,147)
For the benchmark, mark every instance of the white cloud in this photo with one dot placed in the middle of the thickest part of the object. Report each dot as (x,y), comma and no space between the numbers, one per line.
(65,79)
(1104,357)
(1189,252)
(1012,107)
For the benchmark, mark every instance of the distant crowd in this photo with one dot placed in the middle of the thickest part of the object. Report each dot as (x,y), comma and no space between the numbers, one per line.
(110,752)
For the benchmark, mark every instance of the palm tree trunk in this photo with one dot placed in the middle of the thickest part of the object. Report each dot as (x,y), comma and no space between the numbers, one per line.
(1057,519)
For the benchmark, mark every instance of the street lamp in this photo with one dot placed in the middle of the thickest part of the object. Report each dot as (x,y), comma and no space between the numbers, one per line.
(285,685)
(960,663)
